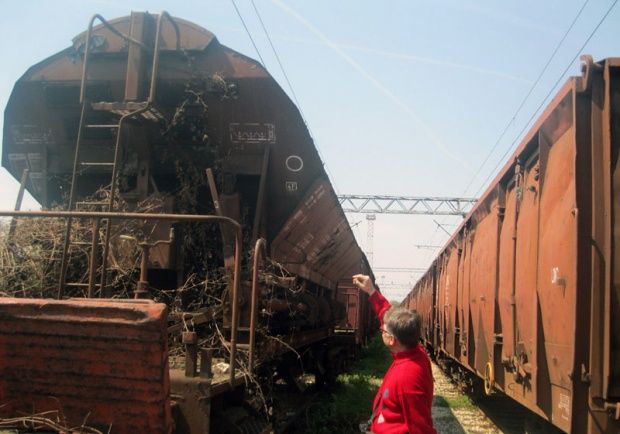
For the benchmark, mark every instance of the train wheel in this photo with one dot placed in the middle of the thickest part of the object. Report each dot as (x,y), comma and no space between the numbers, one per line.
(489,378)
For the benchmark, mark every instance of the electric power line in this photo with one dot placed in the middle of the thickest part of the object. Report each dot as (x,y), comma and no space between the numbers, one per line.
(542,72)
(484,184)
(275,52)
(542,103)
(303,117)
(248,32)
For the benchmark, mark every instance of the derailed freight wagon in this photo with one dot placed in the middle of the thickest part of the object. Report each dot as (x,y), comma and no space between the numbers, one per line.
(526,292)
(171,168)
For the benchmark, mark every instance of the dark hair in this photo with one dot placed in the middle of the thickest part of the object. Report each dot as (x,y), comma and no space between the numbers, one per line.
(404,324)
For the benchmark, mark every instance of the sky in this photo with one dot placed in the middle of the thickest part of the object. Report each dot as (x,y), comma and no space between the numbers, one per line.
(402,97)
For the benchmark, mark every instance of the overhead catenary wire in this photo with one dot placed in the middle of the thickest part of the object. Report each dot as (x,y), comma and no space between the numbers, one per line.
(275,52)
(532,117)
(294,95)
(527,95)
(248,32)
(544,100)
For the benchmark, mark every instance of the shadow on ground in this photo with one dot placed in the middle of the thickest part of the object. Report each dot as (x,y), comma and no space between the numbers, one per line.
(444,419)
(512,418)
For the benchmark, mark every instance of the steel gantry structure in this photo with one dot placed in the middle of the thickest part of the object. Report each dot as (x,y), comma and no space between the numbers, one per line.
(372,204)
(418,205)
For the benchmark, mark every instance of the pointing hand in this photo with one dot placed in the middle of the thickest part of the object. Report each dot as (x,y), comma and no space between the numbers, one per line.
(364,283)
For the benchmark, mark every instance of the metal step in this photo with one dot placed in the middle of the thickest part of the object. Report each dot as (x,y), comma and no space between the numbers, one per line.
(81,285)
(239,345)
(113,106)
(124,108)
(84,243)
(95,164)
(92,203)
(102,126)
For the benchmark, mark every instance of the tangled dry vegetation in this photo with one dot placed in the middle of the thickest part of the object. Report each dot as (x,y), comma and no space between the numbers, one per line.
(30,258)
(44,422)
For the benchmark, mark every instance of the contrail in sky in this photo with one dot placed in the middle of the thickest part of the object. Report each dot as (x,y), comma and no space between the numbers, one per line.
(413,58)
(435,62)
(427,130)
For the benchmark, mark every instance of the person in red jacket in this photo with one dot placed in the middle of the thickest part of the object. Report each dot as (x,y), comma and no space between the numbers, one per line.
(404,399)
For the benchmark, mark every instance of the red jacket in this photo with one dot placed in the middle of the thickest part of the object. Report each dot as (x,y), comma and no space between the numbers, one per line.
(403,403)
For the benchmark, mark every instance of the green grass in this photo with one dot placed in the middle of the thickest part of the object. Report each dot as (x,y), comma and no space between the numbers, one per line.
(454,403)
(351,402)
(461,401)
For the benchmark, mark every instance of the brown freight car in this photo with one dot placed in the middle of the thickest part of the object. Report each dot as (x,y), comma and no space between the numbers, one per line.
(525,294)
(164,148)
(358,319)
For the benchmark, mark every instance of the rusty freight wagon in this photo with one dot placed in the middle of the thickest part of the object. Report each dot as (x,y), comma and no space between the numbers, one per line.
(359,319)
(175,169)
(525,294)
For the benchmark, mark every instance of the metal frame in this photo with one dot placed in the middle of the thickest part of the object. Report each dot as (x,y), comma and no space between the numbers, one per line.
(378,204)
(259,251)
(143,107)
(97,216)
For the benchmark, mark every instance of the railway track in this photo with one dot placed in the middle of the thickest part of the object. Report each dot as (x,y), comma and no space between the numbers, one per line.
(455,412)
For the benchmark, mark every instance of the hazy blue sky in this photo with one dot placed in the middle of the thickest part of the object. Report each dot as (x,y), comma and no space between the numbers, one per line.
(402,97)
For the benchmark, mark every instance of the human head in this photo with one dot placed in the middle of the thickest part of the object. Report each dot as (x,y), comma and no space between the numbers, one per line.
(404,325)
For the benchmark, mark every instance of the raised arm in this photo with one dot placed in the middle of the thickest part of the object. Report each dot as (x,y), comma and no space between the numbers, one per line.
(378,302)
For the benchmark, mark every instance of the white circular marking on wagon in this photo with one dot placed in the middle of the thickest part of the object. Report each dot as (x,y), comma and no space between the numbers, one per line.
(294,163)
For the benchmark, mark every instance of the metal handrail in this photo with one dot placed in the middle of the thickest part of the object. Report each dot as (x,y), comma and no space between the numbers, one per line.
(110,27)
(259,250)
(117,148)
(160,19)
(119,134)
(128,38)
(66,242)
(165,217)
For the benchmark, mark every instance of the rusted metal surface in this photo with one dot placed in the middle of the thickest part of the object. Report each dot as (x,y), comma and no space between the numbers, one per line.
(157,50)
(422,300)
(192,402)
(142,289)
(526,292)
(92,264)
(612,124)
(257,254)
(100,361)
(358,319)
(483,242)
(45,94)
(316,241)
(268,181)
(448,296)
(271,144)
(113,189)
(164,217)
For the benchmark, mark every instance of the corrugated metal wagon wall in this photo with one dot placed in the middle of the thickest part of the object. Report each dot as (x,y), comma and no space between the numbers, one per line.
(528,292)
